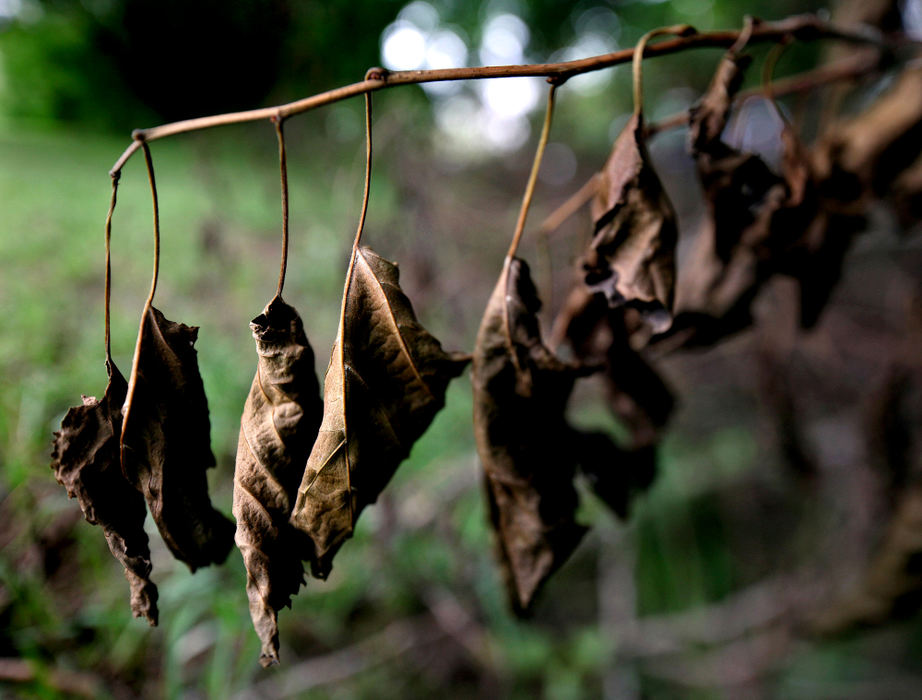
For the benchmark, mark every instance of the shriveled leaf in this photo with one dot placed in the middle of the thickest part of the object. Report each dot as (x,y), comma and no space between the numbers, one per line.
(761,224)
(385,383)
(165,442)
(279,425)
(736,184)
(520,393)
(727,264)
(602,336)
(632,255)
(85,460)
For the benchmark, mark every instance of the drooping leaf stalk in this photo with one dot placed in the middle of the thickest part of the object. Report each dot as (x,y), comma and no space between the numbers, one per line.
(533,176)
(283,174)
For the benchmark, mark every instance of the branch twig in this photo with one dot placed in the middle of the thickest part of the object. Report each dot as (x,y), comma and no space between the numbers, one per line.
(803,27)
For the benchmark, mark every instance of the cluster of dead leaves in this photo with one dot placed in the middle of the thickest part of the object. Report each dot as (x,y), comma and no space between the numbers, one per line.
(307,466)
(798,221)
(147,440)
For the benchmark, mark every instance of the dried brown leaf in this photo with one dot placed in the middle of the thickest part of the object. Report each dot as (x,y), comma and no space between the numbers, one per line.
(386,381)
(602,336)
(165,443)
(761,224)
(279,425)
(520,393)
(86,462)
(632,255)
(736,184)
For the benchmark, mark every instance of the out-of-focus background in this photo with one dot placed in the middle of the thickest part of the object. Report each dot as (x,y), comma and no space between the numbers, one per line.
(773,493)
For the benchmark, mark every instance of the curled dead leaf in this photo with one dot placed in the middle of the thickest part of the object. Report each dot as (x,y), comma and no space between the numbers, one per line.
(631,258)
(603,336)
(736,184)
(760,224)
(520,393)
(279,425)
(386,381)
(165,443)
(85,460)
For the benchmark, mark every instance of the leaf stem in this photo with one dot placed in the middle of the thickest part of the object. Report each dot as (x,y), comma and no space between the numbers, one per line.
(804,27)
(153,193)
(533,176)
(768,70)
(135,361)
(681,30)
(108,292)
(283,174)
(361,228)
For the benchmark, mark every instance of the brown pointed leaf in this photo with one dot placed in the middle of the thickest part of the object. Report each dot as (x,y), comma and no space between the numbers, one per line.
(385,383)
(165,443)
(520,393)
(279,425)
(86,461)
(632,255)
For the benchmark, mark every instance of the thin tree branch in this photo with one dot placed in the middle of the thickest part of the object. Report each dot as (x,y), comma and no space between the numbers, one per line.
(803,27)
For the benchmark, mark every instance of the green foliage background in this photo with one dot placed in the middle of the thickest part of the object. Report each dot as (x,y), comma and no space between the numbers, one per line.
(414,605)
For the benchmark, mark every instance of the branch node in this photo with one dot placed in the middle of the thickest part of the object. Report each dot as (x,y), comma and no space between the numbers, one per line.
(138,135)
(377,73)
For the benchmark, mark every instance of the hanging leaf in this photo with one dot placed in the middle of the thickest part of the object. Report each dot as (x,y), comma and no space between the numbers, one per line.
(632,255)
(385,383)
(520,392)
(280,422)
(600,335)
(85,460)
(165,444)
(631,258)
(761,224)
(736,184)
(742,194)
